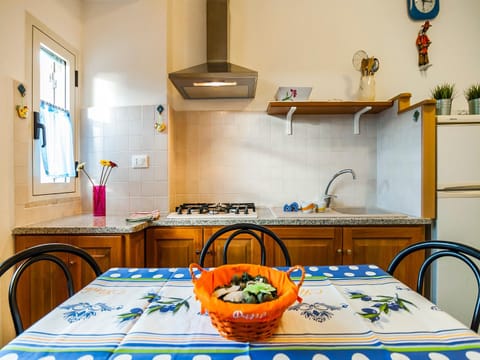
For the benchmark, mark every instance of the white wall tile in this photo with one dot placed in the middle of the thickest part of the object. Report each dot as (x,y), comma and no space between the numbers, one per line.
(126,131)
(230,156)
(248,156)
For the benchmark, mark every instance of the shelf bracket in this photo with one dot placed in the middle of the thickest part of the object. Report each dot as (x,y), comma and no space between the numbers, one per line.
(356,119)
(290,113)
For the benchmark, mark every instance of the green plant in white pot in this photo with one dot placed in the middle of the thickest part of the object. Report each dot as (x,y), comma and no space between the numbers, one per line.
(444,94)
(472,94)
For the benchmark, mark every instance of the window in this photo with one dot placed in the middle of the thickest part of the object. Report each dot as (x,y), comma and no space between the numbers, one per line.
(53,98)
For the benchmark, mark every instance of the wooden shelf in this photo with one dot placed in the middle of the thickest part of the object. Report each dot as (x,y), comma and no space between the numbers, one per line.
(327,107)
(355,108)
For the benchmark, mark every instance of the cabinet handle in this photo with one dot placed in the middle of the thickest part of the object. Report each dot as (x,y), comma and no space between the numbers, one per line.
(349,251)
(339,251)
(209,252)
(98,256)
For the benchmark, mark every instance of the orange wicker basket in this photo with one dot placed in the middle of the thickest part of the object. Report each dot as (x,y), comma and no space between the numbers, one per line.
(245,322)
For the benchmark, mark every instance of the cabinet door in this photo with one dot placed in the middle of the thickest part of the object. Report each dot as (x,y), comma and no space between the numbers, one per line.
(42,286)
(378,245)
(105,249)
(134,247)
(244,249)
(173,246)
(307,245)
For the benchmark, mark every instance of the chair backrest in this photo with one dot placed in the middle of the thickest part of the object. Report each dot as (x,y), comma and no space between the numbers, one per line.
(256,231)
(44,252)
(441,249)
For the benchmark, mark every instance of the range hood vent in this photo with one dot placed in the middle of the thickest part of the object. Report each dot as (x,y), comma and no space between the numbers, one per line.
(217,78)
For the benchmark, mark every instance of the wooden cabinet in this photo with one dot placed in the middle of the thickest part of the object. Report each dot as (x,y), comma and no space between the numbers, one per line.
(314,245)
(307,245)
(378,245)
(42,287)
(245,248)
(180,246)
(177,246)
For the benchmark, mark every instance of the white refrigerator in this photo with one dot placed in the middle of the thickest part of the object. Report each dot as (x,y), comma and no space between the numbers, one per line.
(458,210)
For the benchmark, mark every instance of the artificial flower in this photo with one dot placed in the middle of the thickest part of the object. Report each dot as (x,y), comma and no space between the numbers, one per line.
(107,166)
(290,95)
(81,166)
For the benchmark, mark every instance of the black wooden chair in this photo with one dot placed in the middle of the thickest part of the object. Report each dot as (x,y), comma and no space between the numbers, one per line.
(436,250)
(44,252)
(256,231)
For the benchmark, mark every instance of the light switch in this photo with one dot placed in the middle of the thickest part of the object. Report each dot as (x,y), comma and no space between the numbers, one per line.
(140,161)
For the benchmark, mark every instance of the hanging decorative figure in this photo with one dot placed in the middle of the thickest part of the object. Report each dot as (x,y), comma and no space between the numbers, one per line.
(423,42)
(160,125)
(22,110)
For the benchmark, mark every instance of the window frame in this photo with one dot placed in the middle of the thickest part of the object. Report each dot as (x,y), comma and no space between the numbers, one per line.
(40,34)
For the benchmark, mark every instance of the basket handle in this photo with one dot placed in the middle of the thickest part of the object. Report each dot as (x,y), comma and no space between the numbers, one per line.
(195,266)
(297,267)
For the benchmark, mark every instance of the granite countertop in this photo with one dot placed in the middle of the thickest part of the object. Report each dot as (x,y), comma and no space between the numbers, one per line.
(83,224)
(88,224)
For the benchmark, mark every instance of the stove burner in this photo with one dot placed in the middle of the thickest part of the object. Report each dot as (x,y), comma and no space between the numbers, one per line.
(215,208)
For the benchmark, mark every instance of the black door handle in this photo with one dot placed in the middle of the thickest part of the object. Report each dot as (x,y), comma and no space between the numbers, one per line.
(37,126)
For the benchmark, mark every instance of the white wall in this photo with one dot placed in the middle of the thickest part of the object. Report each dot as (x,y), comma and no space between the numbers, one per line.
(399,162)
(308,43)
(124,81)
(62,17)
(118,133)
(311,43)
(125,52)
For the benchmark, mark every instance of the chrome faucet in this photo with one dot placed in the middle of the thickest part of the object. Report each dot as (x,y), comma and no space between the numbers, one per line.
(328,197)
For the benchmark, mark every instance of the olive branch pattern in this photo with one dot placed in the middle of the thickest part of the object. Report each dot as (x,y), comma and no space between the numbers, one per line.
(382,304)
(156,303)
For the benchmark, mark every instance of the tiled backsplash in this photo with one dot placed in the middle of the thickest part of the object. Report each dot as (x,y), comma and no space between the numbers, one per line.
(247,156)
(223,156)
(116,134)
(219,156)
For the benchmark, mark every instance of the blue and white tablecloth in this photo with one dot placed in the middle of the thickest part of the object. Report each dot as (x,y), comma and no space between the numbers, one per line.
(348,312)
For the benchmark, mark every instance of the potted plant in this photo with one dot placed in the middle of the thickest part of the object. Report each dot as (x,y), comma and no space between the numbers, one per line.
(444,94)
(472,94)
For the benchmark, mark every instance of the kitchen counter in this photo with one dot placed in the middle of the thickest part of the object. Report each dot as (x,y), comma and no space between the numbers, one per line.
(83,224)
(88,224)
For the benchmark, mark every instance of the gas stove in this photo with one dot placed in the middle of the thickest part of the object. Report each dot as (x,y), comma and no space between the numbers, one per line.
(214,210)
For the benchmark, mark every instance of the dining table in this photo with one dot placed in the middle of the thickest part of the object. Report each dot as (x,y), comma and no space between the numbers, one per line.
(356,312)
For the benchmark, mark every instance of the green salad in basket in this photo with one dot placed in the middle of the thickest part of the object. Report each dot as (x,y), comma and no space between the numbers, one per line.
(246,289)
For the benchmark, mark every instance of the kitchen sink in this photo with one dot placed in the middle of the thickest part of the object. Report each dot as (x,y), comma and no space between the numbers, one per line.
(336,212)
(361,210)
(279,213)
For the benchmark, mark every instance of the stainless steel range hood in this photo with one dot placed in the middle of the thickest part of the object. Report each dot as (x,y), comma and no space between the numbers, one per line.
(217,78)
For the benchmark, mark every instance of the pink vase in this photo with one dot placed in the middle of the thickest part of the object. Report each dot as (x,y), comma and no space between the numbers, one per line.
(99,200)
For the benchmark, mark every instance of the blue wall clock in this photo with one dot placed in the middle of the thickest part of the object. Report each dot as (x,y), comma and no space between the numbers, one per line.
(423,9)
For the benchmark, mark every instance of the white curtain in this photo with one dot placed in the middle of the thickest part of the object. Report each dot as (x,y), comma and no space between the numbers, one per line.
(57,154)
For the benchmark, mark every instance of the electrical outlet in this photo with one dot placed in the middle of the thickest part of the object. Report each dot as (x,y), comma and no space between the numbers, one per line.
(140,161)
